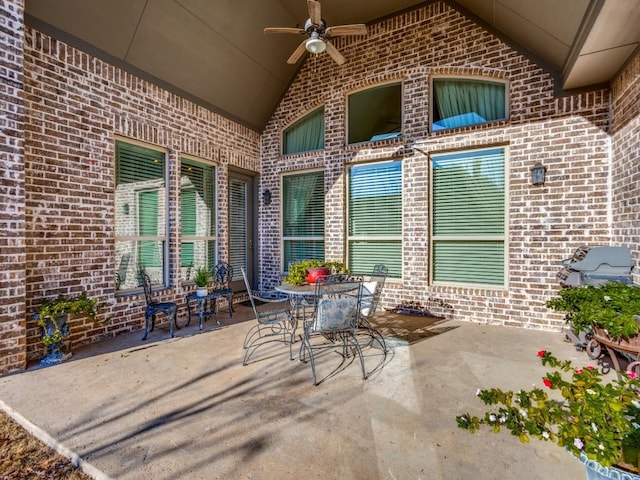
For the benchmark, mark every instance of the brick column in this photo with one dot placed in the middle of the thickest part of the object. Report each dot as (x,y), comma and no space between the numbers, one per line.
(13,354)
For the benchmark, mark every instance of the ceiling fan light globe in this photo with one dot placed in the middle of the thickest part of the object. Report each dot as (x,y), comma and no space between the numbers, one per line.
(315,45)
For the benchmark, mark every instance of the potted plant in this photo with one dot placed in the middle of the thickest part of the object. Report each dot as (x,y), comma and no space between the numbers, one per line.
(202,278)
(309,270)
(596,422)
(52,318)
(613,307)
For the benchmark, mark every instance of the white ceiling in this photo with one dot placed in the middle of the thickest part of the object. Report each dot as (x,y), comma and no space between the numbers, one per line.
(215,53)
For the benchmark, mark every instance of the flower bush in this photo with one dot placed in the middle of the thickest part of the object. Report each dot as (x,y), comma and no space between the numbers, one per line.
(596,419)
(612,306)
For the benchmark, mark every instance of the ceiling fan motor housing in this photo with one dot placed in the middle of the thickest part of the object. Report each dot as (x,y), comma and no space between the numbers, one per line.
(309,27)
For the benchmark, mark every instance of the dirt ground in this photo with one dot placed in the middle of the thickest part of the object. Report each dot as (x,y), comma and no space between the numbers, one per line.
(22,456)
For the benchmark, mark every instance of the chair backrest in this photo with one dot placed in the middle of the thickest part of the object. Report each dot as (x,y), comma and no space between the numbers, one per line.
(372,290)
(146,284)
(337,302)
(249,292)
(222,274)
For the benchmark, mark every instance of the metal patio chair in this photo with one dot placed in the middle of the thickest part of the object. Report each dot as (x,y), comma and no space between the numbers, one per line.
(154,307)
(334,320)
(275,323)
(371,293)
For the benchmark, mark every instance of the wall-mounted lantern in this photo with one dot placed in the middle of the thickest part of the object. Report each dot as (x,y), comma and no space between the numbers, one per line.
(266,197)
(538,172)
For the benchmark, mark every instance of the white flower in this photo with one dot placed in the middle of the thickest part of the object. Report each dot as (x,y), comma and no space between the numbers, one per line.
(601,447)
(523,413)
(492,417)
(503,418)
(607,298)
(478,392)
(594,427)
(545,435)
(578,443)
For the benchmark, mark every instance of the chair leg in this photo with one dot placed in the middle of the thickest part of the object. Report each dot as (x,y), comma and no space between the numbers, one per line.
(188,313)
(359,351)
(230,300)
(172,320)
(146,326)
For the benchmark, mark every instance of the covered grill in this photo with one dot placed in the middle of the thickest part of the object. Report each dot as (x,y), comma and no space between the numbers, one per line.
(596,265)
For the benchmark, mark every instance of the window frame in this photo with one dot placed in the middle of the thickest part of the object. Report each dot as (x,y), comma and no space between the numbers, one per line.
(503,237)
(133,205)
(393,135)
(305,238)
(213,237)
(381,238)
(472,78)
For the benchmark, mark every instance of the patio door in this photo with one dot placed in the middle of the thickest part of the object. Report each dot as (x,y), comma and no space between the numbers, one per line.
(241,227)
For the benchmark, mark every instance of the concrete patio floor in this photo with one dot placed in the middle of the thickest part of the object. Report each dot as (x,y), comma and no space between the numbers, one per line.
(186,408)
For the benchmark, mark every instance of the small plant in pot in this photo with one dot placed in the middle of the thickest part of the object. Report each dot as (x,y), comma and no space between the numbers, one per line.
(202,278)
(52,318)
(597,422)
(308,270)
(614,307)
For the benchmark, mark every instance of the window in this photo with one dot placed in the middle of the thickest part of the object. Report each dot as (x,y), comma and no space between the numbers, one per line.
(303,217)
(468,221)
(305,135)
(375,114)
(459,102)
(198,218)
(140,214)
(375,217)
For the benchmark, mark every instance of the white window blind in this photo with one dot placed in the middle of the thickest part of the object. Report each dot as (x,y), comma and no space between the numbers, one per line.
(375,217)
(140,214)
(198,217)
(468,217)
(303,216)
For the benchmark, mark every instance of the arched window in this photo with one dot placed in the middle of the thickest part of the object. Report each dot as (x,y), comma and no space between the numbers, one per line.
(460,102)
(306,134)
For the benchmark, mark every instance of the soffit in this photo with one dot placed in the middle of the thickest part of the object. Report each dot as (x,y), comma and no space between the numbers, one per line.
(214,52)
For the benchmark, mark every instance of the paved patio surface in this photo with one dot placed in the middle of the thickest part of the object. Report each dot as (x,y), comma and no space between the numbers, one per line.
(186,408)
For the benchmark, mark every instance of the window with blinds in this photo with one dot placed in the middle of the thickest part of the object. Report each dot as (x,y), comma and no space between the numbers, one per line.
(303,217)
(198,217)
(304,135)
(140,214)
(375,217)
(468,217)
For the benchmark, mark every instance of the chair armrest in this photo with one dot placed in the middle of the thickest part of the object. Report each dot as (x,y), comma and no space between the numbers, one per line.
(270,296)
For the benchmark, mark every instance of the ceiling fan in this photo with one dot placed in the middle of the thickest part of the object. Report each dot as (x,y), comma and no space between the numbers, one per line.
(318,32)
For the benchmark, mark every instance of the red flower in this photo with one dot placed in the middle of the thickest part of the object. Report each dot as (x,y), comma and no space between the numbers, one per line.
(579,370)
(547,382)
(589,367)
(541,353)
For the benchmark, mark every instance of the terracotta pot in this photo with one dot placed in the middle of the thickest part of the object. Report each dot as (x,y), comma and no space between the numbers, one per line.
(314,273)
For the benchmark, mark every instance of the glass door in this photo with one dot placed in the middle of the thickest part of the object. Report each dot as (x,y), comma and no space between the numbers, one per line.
(241,227)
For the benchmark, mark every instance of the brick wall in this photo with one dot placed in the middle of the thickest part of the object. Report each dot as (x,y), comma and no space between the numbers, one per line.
(74,105)
(626,154)
(12,204)
(568,134)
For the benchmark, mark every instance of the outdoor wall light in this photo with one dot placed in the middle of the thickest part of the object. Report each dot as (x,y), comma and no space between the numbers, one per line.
(538,172)
(125,209)
(266,197)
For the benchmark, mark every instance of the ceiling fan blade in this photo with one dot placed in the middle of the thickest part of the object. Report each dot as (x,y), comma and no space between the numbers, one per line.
(334,53)
(283,30)
(314,12)
(355,29)
(297,53)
